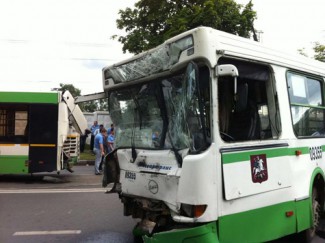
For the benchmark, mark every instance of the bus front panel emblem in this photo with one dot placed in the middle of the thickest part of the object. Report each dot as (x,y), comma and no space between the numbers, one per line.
(153,186)
(259,168)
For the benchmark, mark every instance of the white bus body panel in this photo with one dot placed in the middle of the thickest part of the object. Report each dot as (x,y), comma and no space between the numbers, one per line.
(79,121)
(63,128)
(161,181)
(238,177)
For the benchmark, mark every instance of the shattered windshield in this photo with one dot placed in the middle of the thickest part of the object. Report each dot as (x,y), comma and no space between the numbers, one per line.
(162,114)
(160,59)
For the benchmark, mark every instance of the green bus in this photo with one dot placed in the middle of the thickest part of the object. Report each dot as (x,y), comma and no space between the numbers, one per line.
(39,132)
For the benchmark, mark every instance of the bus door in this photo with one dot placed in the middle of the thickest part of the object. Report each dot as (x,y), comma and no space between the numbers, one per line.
(43,130)
(254,159)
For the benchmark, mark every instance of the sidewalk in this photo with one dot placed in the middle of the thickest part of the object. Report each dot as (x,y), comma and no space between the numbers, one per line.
(83,175)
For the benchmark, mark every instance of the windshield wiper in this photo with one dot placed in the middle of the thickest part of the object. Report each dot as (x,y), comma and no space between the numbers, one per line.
(178,157)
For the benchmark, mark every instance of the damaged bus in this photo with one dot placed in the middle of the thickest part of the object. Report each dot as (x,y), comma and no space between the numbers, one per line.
(39,132)
(218,139)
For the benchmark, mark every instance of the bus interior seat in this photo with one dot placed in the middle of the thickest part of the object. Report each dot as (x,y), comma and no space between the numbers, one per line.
(244,121)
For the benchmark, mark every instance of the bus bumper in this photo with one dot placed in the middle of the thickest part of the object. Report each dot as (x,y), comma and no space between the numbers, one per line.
(204,234)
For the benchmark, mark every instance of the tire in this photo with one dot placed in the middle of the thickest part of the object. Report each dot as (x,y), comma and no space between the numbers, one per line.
(316,215)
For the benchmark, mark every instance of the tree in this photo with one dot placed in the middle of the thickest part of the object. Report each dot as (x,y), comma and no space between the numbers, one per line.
(73,90)
(302,51)
(102,105)
(319,50)
(152,22)
(89,106)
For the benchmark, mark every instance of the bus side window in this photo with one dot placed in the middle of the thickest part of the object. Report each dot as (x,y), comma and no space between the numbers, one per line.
(13,123)
(246,115)
(307,106)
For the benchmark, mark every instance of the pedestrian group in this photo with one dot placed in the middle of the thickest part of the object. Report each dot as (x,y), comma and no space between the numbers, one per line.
(101,143)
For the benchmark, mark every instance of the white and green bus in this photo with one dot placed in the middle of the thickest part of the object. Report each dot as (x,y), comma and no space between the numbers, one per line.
(39,132)
(218,139)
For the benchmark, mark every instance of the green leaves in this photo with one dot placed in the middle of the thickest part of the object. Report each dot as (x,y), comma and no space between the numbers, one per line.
(319,52)
(73,90)
(152,22)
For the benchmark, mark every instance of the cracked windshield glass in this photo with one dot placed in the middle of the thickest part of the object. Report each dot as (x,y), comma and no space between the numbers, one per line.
(162,114)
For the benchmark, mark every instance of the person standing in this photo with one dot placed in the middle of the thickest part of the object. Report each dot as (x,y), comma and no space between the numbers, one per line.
(101,126)
(93,129)
(99,149)
(110,141)
(83,139)
(110,129)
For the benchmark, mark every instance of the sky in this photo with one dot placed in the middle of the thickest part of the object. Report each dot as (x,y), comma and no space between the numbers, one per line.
(289,25)
(47,42)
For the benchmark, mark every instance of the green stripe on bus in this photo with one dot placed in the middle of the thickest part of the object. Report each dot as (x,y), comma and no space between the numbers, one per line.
(14,164)
(233,157)
(29,97)
(264,224)
(204,233)
(258,225)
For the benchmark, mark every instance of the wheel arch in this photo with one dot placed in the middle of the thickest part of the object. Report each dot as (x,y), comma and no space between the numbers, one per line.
(318,181)
(304,211)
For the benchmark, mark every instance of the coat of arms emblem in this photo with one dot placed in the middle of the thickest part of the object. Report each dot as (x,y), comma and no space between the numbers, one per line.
(259,168)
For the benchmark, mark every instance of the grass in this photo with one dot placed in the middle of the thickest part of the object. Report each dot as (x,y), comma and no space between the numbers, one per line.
(87,154)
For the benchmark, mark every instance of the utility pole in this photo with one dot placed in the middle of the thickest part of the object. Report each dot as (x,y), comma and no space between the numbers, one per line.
(259,33)
(254,33)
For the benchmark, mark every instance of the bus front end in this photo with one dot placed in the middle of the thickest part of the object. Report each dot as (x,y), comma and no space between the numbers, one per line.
(160,105)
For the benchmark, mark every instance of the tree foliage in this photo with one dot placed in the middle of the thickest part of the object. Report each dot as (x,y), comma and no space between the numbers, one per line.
(152,22)
(302,51)
(73,90)
(319,50)
(89,106)
(95,105)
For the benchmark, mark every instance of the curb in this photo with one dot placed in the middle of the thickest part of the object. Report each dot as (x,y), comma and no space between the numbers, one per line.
(85,162)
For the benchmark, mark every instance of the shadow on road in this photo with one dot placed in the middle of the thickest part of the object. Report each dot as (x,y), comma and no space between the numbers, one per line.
(30,179)
(83,176)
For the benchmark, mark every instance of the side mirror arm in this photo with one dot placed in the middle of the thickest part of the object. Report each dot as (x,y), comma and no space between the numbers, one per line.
(228,70)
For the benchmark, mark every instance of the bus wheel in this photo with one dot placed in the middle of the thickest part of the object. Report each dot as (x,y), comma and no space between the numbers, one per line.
(316,214)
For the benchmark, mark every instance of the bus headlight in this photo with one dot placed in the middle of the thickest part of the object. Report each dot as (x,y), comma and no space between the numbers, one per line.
(193,211)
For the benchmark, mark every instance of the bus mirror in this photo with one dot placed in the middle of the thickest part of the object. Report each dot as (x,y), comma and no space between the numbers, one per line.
(226,70)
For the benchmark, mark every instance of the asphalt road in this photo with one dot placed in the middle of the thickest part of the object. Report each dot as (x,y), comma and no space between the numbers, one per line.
(70,207)
(61,208)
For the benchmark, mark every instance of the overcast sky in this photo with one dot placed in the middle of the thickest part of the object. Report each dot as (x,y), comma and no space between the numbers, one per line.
(47,42)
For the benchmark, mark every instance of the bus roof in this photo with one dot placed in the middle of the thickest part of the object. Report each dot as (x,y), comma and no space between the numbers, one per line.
(30,97)
(205,43)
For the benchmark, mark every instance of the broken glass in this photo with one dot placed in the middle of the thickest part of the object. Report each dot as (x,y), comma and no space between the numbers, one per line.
(157,60)
(161,114)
